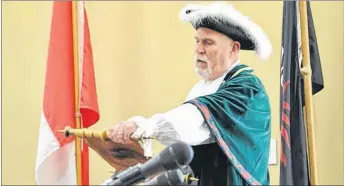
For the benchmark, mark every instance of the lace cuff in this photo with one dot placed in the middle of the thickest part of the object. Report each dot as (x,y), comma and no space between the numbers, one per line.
(144,129)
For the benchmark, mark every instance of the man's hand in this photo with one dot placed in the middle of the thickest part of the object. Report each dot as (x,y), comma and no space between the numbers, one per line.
(121,133)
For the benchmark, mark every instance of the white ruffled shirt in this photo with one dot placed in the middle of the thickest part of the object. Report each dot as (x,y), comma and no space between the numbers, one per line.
(183,123)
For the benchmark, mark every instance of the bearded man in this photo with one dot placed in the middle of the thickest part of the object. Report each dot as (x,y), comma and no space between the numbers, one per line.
(226,115)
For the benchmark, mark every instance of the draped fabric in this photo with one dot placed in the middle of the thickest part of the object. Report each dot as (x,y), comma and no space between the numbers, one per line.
(238,115)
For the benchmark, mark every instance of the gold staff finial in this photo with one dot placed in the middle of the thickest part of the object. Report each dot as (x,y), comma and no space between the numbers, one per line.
(85,133)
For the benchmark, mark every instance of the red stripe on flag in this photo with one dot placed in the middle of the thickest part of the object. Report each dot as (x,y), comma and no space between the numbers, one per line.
(285,136)
(283,159)
(88,102)
(85,180)
(59,90)
(286,105)
(285,119)
(285,85)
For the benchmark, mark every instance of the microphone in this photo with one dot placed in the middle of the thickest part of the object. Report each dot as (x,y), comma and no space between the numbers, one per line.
(170,178)
(177,155)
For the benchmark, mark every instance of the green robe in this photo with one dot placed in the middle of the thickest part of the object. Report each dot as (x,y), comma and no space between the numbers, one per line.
(238,115)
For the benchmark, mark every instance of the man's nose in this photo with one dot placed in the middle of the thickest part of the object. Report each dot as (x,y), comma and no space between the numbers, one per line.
(200,48)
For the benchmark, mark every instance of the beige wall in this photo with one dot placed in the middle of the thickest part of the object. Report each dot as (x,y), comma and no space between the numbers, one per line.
(143,63)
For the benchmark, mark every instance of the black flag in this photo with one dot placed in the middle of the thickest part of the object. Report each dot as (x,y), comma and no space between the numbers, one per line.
(293,160)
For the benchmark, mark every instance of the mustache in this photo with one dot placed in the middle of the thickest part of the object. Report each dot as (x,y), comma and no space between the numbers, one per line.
(200,58)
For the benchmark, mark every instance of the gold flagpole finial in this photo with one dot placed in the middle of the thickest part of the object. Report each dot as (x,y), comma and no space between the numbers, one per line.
(188,178)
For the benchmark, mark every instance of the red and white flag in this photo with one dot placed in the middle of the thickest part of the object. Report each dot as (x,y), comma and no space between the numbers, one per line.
(56,158)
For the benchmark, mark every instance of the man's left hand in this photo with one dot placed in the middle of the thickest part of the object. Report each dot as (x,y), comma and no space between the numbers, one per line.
(121,133)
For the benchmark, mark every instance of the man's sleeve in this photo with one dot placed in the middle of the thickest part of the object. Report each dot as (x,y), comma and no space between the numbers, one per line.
(183,123)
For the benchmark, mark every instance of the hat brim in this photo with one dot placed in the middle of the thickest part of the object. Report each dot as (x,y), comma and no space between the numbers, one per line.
(233,32)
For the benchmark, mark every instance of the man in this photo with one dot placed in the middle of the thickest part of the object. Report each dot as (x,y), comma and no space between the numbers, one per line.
(226,116)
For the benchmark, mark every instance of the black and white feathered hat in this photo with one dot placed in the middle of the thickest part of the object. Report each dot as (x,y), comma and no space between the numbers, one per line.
(225,19)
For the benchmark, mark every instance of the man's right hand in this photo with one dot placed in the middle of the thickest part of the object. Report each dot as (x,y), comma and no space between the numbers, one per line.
(121,132)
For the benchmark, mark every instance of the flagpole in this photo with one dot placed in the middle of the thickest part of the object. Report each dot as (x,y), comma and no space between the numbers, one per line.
(307,74)
(76,84)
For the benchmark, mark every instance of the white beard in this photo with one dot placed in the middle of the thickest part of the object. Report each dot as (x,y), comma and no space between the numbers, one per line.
(205,74)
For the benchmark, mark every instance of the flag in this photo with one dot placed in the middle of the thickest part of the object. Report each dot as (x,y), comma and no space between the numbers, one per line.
(293,160)
(56,160)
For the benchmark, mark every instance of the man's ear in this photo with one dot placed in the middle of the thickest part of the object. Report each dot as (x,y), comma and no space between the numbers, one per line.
(236,46)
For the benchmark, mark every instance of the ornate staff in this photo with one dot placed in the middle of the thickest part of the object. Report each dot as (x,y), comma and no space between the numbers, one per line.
(88,133)
(85,133)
